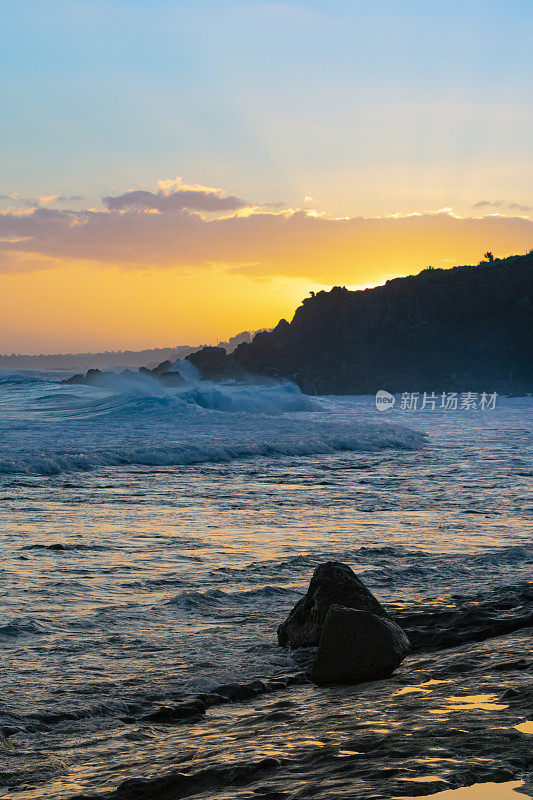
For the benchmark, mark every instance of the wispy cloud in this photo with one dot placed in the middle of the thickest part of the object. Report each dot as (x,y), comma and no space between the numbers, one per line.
(502,204)
(69,198)
(40,200)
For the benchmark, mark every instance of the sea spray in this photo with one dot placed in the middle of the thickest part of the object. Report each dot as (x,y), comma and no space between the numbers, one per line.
(48,428)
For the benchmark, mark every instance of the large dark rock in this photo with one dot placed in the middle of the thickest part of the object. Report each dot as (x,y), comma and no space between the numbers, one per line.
(161,368)
(163,374)
(212,363)
(75,380)
(92,378)
(332,582)
(357,646)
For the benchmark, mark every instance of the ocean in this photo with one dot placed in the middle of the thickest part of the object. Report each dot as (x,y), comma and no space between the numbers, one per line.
(153,539)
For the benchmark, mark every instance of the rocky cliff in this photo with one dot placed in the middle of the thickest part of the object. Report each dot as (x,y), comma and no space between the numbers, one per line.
(460,329)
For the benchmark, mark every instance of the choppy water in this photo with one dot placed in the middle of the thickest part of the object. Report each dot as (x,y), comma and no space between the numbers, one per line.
(153,540)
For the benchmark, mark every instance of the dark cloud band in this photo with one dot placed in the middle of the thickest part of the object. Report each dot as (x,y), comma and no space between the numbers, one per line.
(180,200)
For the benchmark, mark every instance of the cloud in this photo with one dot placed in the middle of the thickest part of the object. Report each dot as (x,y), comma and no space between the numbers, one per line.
(20,199)
(502,204)
(488,204)
(41,200)
(69,198)
(173,196)
(255,241)
(519,207)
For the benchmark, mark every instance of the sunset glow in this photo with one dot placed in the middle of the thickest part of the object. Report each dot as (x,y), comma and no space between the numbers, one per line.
(139,276)
(316,144)
(266,396)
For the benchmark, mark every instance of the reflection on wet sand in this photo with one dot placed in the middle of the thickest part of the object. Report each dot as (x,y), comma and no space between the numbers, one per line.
(481,791)
(421,687)
(525,727)
(481,702)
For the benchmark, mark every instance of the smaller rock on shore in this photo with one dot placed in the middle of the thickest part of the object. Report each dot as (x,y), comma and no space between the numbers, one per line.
(357,646)
(357,641)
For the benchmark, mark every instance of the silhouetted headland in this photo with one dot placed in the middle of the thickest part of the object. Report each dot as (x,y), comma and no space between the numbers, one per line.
(467,328)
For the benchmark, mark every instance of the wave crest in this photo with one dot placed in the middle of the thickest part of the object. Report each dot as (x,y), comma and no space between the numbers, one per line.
(369,438)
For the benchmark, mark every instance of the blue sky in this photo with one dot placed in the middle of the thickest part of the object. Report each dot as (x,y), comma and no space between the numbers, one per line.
(367,107)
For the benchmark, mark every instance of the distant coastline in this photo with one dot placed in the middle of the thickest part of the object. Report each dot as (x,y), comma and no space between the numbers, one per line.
(111,359)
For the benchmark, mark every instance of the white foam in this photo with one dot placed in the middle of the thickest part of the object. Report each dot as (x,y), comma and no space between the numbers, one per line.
(364,438)
(188,371)
(48,428)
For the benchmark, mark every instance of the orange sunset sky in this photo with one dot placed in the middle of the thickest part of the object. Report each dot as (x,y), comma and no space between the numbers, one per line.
(317,144)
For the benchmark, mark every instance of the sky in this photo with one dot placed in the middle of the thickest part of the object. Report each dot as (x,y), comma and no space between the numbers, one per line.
(175,172)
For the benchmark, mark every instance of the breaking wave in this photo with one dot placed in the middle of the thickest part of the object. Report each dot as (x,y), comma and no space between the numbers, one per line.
(48,461)
(130,394)
(47,428)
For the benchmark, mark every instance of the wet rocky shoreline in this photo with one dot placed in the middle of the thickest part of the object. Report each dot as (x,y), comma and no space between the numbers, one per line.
(458,647)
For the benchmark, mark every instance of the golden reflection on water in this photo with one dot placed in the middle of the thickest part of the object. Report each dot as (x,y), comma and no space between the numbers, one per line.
(525,727)
(471,702)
